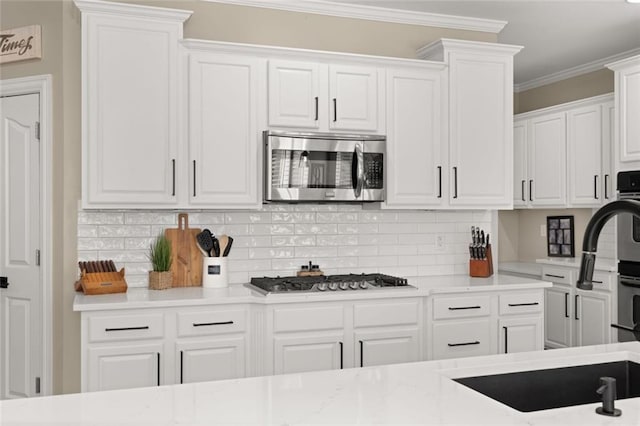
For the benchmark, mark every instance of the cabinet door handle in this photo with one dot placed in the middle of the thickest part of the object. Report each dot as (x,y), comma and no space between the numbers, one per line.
(144,327)
(506,336)
(522,189)
(181,366)
(595,186)
(194,178)
(158,373)
(455,182)
(606,187)
(439,181)
(566,305)
(530,189)
(596,282)
(204,324)
(173,179)
(341,355)
(463,344)
(335,110)
(459,308)
(316,100)
(524,304)
(554,276)
(575,303)
(361,354)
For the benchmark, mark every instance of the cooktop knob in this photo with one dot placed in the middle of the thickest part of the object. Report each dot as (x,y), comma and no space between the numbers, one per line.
(363,285)
(353,285)
(333,286)
(322,286)
(344,285)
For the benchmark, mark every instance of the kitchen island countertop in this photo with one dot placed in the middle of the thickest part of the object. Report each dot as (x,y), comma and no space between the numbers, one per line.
(136,298)
(412,393)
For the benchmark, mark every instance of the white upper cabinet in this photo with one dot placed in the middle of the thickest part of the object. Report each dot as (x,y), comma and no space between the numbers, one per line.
(416,148)
(547,160)
(323,97)
(584,146)
(608,138)
(224,135)
(520,177)
(130,104)
(480,132)
(627,99)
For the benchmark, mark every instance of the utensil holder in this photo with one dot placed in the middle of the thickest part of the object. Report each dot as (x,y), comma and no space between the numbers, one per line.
(482,268)
(214,272)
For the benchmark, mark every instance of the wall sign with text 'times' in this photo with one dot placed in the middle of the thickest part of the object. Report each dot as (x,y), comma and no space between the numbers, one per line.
(19,44)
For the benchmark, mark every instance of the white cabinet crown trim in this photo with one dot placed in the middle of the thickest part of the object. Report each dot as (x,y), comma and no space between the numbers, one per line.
(435,48)
(132,10)
(607,97)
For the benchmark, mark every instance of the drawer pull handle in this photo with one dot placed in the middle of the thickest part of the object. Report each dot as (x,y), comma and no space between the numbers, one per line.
(463,344)
(463,307)
(205,324)
(145,327)
(597,282)
(554,276)
(524,304)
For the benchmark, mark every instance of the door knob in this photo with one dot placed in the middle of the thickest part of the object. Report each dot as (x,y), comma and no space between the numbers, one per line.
(3,282)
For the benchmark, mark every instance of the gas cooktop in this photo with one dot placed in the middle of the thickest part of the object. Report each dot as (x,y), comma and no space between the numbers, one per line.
(326,283)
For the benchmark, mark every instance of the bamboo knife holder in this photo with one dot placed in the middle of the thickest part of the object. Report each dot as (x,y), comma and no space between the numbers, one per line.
(103,278)
(482,268)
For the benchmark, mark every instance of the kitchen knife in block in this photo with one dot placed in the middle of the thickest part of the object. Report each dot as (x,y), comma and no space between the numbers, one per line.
(187,258)
(482,268)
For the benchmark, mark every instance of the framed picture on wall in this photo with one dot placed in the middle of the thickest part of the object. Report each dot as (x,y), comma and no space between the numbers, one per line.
(560,236)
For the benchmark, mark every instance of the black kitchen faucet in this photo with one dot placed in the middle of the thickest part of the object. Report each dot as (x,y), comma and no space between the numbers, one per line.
(591,233)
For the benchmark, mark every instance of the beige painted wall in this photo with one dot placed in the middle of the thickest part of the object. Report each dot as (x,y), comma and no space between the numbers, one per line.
(519,236)
(580,87)
(60,22)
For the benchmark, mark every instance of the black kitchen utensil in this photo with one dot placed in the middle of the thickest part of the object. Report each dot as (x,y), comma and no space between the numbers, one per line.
(227,249)
(215,250)
(205,242)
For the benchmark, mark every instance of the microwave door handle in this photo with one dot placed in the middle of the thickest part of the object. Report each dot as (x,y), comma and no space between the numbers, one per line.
(359,157)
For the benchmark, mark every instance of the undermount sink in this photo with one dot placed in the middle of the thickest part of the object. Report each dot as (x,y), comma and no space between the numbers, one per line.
(558,387)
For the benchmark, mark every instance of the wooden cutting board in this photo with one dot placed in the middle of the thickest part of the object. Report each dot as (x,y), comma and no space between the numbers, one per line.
(187,258)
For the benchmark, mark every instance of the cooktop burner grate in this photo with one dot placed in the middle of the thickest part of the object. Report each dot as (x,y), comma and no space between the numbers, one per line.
(267,285)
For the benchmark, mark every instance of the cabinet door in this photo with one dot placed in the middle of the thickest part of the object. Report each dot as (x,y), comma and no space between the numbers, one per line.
(353,94)
(213,359)
(223,131)
(462,338)
(130,110)
(627,81)
(294,94)
(557,317)
(608,126)
(414,139)
(520,335)
(294,354)
(584,147)
(592,318)
(125,366)
(547,160)
(386,347)
(481,130)
(520,193)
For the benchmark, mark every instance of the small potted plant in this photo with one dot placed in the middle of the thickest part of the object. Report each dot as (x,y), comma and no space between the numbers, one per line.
(160,256)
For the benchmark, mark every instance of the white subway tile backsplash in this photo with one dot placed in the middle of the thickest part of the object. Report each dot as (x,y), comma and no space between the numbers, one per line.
(277,240)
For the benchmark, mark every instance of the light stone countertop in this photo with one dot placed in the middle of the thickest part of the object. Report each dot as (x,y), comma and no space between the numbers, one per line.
(237,294)
(412,393)
(602,264)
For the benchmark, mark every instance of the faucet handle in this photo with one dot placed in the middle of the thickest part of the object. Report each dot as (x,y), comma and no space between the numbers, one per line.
(609,394)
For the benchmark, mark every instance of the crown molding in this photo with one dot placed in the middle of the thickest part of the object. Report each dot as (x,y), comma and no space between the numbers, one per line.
(135,10)
(375,13)
(436,49)
(574,71)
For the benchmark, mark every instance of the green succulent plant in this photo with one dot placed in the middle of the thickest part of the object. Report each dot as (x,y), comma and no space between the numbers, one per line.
(160,254)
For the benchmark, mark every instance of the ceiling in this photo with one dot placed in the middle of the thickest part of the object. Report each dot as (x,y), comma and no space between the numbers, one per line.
(557,35)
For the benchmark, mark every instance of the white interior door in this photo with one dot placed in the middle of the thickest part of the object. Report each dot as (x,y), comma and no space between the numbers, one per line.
(20,238)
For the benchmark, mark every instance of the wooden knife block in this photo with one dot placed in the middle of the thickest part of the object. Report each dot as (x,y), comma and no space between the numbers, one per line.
(102,282)
(482,268)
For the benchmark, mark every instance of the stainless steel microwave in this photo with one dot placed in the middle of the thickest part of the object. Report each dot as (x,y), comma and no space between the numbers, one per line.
(323,167)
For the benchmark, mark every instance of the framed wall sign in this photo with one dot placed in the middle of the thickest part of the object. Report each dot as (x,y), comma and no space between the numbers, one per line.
(19,44)
(560,238)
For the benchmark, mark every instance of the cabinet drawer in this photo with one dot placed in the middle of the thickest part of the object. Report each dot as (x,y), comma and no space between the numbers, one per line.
(202,323)
(125,327)
(557,275)
(382,314)
(603,281)
(461,339)
(308,318)
(461,307)
(521,303)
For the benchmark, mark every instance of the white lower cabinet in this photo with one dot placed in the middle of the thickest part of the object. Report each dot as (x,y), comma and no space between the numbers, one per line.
(520,335)
(386,347)
(557,326)
(462,338)
(214,359)
(592,311)
(297,354)
(123,366)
